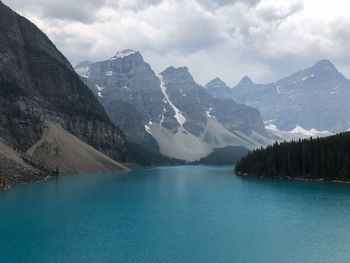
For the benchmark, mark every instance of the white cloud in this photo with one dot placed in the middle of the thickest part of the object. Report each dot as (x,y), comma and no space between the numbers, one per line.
(265,39)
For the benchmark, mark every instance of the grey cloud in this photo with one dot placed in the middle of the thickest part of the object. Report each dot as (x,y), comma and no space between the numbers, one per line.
(274,14)
(135,5)
(83,11)
(221,3)
(228,38)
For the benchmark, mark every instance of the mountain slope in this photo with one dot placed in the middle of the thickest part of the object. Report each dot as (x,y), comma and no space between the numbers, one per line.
(168,113)
(59,149)
(37,83)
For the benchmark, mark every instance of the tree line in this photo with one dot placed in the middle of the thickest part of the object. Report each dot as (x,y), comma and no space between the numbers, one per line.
(327,158)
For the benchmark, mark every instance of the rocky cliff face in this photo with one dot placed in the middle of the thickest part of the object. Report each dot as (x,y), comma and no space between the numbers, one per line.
(131,94)
(170,111)
(37,83)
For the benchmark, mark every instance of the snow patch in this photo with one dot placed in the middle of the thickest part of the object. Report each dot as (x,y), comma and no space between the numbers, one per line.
(148,129)
(278,89)
(181,119)
(99,88)
(123,54)
(99,91)
(308,77)
(295,134)
(208,112)
(271,127)
(311,133)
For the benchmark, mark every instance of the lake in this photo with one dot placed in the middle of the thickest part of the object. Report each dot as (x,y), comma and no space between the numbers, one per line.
(179,214)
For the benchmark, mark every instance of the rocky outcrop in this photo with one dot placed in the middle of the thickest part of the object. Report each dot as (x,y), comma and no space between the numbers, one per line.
(14,170)
(37,83)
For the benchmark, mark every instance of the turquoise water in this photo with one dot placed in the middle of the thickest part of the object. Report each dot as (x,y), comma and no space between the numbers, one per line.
(175,214)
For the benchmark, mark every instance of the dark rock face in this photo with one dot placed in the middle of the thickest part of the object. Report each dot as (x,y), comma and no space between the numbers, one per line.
(316,97)
(238,117)
(37,83)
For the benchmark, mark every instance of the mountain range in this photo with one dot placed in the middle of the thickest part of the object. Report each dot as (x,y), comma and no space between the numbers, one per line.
(169,112)
(119,110)
(315,99)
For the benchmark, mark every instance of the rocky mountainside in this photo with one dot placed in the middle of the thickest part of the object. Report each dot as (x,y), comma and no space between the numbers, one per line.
(313,98)
(38,84)
(169,112)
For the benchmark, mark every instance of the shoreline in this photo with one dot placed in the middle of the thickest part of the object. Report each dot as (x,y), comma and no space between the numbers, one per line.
(287,178)
(16,184)
(46,178)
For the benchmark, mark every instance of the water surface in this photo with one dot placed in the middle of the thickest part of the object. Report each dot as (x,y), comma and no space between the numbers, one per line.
(175,214)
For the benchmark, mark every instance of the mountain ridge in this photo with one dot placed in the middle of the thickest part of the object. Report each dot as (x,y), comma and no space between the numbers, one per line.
(313,98)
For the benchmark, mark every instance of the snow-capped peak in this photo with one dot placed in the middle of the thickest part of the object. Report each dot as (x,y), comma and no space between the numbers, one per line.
(123,54)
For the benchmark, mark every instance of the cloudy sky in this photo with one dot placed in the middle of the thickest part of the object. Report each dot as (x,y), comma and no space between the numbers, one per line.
(265,39)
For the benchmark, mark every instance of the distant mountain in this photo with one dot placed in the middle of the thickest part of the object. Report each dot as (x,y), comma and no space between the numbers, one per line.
(38,85)
(322,159)
(295,134)
(313,98)
(218,89)
(170,113)
(83,67)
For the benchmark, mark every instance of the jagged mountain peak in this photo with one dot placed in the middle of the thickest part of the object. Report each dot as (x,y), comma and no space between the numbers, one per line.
(177,73)
(322,71)
(326,67)
(246,81)
(173,70)
(216,82)
(218,88)
(324,63)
